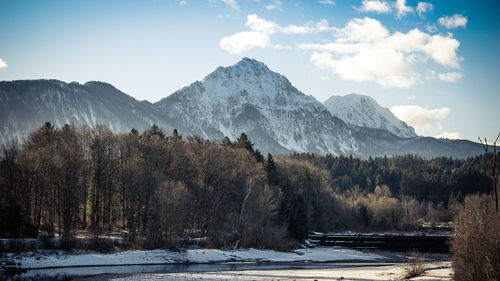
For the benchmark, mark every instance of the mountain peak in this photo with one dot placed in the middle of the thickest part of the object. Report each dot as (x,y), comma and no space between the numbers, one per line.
(101,85)
(249,97)
(246,68)
(253,63)
(364,111)
(356,97)
(252,66)
(249,79)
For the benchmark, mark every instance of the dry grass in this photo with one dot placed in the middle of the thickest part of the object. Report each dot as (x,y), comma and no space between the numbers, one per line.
(415,265)
(476,243)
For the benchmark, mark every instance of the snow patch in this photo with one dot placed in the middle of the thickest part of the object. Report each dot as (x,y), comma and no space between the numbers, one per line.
(57,259)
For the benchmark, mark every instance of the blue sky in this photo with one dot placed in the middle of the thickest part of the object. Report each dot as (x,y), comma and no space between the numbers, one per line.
(435,64)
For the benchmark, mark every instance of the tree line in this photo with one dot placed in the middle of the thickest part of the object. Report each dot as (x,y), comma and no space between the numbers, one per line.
(166,189)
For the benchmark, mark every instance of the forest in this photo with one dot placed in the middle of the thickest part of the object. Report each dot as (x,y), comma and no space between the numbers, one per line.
(163,189)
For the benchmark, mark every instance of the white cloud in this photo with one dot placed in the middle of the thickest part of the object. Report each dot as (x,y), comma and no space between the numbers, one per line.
(232,4)
(261,29)
(183,2)
(425,121)
(449,135)
(453,21)
(268,27)
(384,66)
(424,7)
(365,51)
(363,31)
(275,6)
(402,9)
(244,41)
(376,6)
(418,117)
(261,25)
(442,49)
(310,27)
(327,2)
(3,64)
(450,77)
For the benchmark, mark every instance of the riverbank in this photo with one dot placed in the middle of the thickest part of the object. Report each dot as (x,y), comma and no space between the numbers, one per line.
(436,271)
(52,259)
(319,263)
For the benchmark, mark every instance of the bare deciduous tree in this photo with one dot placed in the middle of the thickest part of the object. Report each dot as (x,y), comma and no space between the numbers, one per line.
(493,165)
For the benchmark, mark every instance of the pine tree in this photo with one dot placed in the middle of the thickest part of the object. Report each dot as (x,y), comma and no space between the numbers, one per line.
(176,136)
(270,169)
(153,133)
(258,156)
(244,142)
(226,142)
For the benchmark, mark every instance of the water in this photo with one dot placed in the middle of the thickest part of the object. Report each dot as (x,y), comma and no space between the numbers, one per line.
(105,272)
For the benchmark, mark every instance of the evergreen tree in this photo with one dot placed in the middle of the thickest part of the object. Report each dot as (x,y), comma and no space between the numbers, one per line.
(258,156)
(244,142)
(270,169)
(153,133)
(176,136)
(226,142)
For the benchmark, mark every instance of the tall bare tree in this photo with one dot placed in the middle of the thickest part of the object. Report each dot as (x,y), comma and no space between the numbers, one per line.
(493,165)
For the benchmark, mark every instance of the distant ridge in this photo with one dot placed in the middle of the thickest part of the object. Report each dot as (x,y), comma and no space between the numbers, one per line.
(26,104)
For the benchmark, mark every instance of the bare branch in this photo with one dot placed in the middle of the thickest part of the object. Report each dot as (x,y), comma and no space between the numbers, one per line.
(485,146)
(493,164)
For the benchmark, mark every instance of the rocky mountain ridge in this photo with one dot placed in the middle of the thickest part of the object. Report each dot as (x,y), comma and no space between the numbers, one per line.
(364,111)
(246,97)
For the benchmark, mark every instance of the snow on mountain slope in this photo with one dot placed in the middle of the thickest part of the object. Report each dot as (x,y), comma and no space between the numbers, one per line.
(248,97)
(26,104)
(364,111)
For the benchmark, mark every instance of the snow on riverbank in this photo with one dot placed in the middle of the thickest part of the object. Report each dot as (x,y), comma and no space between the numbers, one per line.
(436,271)
(41,260)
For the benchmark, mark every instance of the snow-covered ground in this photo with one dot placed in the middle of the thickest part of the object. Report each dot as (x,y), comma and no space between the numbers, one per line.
(61,259)
(436,271)
(218,265)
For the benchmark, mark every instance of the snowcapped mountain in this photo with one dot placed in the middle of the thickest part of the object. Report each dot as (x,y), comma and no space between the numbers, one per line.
(248,97)
(364,111)
(26,104)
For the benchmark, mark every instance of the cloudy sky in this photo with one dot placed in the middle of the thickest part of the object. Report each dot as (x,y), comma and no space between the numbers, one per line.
(435,64)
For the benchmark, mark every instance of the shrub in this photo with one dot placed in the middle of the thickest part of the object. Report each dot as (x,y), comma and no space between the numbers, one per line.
(476,243)
(15,245)
(415,265)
